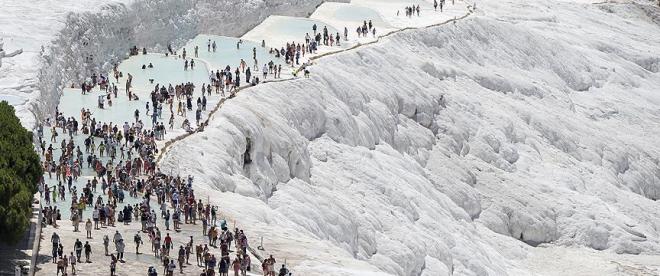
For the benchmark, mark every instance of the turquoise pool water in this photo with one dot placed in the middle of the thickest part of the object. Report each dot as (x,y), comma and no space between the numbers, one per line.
(227,53)
(298,27)
(166,70)
(357,14)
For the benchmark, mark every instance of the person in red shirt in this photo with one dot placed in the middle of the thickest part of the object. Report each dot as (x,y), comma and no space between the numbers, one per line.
(168,242)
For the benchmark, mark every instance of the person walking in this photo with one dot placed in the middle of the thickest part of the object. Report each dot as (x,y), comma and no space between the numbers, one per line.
(138,241)
(88,251)
(106,242)
(72,261)
(223,267)
(75,218)
(167,220)
(60,267)
(170,268)
(120,250)
(78,247)
(182,258)
(96,215)
(236,265)
(245,264)
(113,265)
(88,228)
(55,240)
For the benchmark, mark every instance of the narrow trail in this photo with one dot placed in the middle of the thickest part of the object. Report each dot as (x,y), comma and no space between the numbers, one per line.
(205,123)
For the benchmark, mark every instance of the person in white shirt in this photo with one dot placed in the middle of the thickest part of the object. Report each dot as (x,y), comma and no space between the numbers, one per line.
(72,261)
(88,228)
(95,216)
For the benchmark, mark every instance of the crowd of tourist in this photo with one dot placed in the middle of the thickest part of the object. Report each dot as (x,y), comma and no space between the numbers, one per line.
(107,175)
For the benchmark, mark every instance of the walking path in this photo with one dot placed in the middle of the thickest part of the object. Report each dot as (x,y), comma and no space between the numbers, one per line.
(125,166)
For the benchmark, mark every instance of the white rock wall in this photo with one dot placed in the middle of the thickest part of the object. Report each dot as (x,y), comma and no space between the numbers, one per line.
(436,150)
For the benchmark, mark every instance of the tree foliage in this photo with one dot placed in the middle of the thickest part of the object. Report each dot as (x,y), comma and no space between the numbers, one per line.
(20,172)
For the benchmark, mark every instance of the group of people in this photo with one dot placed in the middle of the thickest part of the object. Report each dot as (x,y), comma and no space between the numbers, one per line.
(365,29)
(435,5)
(292,52)
(134,51)
(415,10)
(411,10)
(175,200)
(121,160)
(64,261)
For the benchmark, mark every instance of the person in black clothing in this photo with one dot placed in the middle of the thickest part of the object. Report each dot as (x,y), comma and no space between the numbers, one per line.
(88,251)
(283,271)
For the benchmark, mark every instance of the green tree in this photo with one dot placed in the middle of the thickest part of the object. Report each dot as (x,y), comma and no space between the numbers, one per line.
(20,172)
